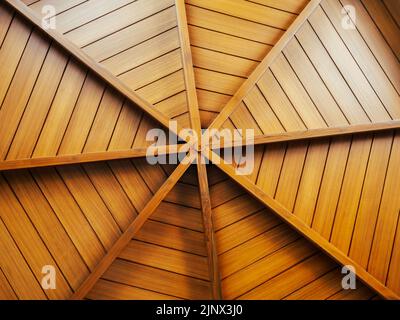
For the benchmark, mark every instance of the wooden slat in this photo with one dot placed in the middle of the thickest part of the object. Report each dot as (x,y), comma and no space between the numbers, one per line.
(370,199)
(6,16)
(366,60)
(158,280)
(109,290)
(6,291)
(131,36)
(292,279)
(89,10)
(385,22)
(111,21)
(133,228)
(173,237)
(29,242)
(70,215)
(375,40)
(350,192)
(49,227)
(12,51)
(166,259)
(38,105)
(249,11)
(16,269)
(386,224)
(241,282)
(21,86)
(293,6)
(245,229)
(348,66)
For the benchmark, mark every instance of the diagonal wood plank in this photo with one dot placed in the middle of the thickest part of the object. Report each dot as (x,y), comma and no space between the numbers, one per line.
(133,228)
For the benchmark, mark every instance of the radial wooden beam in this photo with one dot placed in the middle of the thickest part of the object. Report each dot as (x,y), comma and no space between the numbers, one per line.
(264,65)
(133,228)
(90,63)
(303,228)
(91,157)
(312,134)
(187,62)
(209,232)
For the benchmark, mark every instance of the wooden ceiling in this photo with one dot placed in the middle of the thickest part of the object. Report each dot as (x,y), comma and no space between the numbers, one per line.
(77,193)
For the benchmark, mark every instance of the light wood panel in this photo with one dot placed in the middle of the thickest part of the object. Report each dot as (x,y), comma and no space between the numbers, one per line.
(300,225)
(74,114)
(128,38)
(224,53)
(167,257)
(268,261)
(321,76)
(66,218)
(338,187)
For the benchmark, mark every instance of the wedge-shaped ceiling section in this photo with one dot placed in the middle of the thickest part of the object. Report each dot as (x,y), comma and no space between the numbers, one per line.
(262,258)
(228,39)
(326,75)
(167,259)
(345,190)
(68,217)
(137,41)
(50,105)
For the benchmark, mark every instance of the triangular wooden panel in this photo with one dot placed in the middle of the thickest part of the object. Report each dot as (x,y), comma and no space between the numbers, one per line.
(51,105)
(261,258)
(228,39)
(329,74)
(67,217)
(343,188)
(137,41)
(167,259)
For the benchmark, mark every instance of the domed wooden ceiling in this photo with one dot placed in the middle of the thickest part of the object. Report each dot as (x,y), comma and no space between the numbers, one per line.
(77,193)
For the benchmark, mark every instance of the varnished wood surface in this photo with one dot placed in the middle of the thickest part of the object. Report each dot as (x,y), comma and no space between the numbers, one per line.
(326,97)
(320,75)
(262,258)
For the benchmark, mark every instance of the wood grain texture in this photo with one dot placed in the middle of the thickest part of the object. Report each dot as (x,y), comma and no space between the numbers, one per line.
(133,228)
(305,230)
(94,66)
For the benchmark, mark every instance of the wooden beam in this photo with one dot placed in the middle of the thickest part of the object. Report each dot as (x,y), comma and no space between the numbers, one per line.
(303,228)
(91,157)
(264,65)
(312,134)
(90,63)
(133,228)
(187,63)
(209,231)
